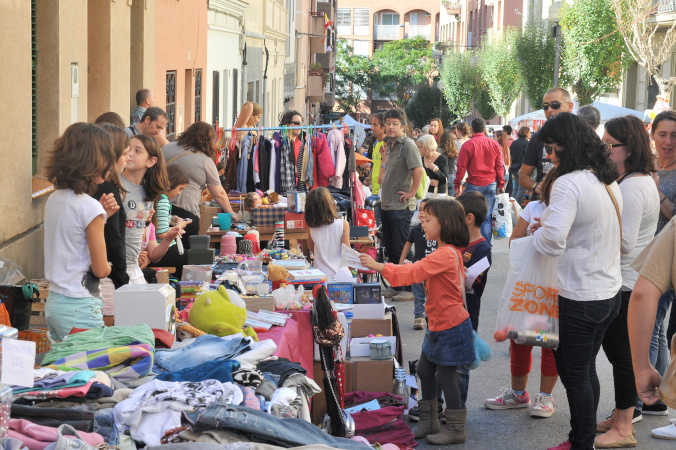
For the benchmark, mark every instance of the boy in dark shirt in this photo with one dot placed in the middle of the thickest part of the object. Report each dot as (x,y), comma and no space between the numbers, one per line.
(475,206)
(423,247)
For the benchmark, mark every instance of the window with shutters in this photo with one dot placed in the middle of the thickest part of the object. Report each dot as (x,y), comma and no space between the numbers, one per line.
(171,104)
(361,21)
(198,95)
(344,22)
(215,116)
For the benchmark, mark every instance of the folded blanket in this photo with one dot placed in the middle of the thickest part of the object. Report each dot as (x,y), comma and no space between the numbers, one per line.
(128,362)
(100,338)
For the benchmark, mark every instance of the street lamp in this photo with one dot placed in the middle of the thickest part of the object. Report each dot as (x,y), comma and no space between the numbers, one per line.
(554,16)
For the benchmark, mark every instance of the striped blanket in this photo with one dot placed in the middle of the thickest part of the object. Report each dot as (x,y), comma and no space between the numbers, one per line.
(124,363)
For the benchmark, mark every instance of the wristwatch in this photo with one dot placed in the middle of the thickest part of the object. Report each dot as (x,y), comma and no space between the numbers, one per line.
(535,185)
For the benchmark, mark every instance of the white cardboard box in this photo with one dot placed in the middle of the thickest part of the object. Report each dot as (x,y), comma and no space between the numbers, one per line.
(374,311)
(361,347)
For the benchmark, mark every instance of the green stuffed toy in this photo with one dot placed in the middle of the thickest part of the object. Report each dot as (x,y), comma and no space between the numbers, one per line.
(221,312)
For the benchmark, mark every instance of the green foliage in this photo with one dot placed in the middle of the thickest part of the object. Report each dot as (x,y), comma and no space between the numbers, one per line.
(424,106)
(352,77)
(594,57)
(500,72)
(460,79)
(401,65)
(535,51)
(484,103)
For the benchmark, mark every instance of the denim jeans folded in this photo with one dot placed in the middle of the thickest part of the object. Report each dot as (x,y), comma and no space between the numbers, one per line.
(79,417)
(105,426)
(265,428)
(205,348)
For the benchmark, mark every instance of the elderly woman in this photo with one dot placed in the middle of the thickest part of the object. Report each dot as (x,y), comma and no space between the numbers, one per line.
(581,227)
(436,165)
(629,146)
(194,153)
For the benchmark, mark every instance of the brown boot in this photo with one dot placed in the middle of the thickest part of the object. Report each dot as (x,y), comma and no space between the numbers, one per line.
(429,419)
(454,430)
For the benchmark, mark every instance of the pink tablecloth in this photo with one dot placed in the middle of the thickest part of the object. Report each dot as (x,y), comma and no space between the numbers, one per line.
(294,340)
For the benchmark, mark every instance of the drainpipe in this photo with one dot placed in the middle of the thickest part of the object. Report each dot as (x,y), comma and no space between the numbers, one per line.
(265,85)
(245,84)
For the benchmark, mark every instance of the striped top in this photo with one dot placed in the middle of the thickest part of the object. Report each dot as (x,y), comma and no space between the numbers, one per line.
(163,215)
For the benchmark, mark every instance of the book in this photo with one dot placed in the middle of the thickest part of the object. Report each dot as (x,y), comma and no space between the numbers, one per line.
(306,275)
(341,293)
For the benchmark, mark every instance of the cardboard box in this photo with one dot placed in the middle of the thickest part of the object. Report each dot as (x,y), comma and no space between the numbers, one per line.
(255,303)
(361,374)
(374,311)
(294,221)
(364,327)
(206,214)
(268,216)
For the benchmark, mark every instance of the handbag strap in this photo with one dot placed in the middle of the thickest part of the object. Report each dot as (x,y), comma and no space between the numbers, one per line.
(177,157)
(617,209)
(462,284)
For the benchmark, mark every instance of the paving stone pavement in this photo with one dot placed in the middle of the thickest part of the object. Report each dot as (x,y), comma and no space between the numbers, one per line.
(515,429)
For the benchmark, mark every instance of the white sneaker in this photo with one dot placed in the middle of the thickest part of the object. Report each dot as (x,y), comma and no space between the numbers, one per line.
(668,432)
(508,399)
(672,420)
(543,406)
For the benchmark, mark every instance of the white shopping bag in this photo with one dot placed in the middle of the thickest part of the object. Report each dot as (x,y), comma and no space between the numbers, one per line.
(502,216)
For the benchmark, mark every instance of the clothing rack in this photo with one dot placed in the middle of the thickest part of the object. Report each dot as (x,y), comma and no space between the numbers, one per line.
(302,127)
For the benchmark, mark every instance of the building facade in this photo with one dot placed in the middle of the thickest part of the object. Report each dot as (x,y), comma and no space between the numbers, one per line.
(65,62)
(225,50)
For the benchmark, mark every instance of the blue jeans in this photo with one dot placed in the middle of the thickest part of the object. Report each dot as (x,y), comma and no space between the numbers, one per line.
(205,348)
(419,300)
(488,192)
(519,192)
(265,428)
(582,326)
(659,353)
(451,185)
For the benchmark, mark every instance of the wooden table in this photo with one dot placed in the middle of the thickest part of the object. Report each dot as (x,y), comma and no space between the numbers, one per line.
(265,233)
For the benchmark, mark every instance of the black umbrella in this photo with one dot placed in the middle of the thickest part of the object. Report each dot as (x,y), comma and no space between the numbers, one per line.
(327,333)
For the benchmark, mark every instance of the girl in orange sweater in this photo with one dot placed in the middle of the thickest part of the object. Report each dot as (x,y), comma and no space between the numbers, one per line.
(448,342)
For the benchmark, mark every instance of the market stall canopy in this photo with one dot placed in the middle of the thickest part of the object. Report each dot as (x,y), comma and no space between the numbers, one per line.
(537,118)
(350,121)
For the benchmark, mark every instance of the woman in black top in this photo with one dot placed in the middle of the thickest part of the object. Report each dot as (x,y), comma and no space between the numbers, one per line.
(436,164)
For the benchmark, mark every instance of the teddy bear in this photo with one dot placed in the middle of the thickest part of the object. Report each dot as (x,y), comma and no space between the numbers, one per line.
(221,312)
(277,275)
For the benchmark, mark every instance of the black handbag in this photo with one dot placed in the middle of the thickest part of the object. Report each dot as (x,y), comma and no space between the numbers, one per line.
(18,301)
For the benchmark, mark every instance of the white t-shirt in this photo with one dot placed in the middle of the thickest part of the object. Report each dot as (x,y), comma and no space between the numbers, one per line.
(640,214)
(532,211)
(328,240)
(580,226)
(67,260)
(137,210)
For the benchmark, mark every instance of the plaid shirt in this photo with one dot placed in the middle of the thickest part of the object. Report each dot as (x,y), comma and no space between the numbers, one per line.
(287,169)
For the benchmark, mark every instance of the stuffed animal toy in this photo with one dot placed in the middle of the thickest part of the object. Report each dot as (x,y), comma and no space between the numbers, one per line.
(277,274)
(221,312)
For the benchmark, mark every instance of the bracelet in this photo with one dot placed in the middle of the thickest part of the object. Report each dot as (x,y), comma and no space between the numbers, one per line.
(665,197)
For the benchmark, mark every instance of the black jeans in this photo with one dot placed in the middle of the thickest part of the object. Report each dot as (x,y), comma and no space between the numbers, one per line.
(79,417)
(191,229)
(616,346)
(582,325)
(396,226)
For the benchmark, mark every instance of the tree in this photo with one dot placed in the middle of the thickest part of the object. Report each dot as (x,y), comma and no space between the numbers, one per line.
(424,106)
(460,80)
(594,56)
(647,41)
(535,53)
(400,66)
(352,77)
(500,72)
(484,102)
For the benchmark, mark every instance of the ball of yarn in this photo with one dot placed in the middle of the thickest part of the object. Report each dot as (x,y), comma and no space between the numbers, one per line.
(245,247)
(228,245)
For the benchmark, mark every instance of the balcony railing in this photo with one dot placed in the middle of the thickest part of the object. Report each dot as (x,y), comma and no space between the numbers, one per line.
(419,30)
(452,8)
(666,6)
(387,32)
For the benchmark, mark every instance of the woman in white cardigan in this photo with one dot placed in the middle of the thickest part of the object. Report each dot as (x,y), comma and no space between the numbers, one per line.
(581,226)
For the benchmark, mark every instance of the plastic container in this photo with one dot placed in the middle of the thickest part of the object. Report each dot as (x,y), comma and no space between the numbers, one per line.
(225,221)
(381,349)
(348,331)
(399,384)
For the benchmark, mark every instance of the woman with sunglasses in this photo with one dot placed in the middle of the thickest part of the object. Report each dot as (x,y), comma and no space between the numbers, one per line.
(629,149)
(581,227)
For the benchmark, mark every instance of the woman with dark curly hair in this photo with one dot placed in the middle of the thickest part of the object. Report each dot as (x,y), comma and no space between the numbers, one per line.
(194,153)
(581,227)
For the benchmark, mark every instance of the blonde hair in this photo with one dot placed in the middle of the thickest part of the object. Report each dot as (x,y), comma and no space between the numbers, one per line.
(427,142)
(257,109)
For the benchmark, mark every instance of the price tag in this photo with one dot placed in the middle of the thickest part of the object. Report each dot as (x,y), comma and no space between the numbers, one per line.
(18,360)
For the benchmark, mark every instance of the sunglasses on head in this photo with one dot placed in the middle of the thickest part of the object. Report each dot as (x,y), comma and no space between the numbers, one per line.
(553,105)
(611,146)
(296,123)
